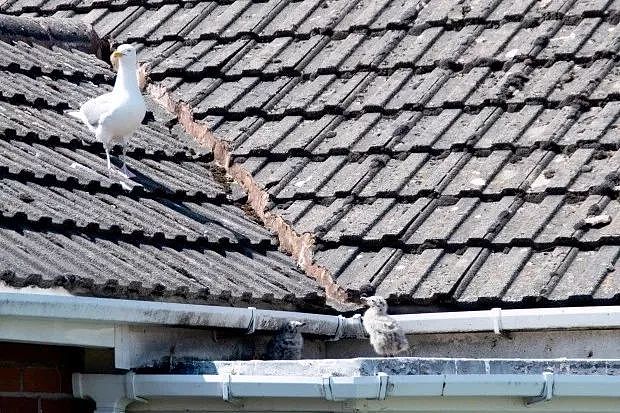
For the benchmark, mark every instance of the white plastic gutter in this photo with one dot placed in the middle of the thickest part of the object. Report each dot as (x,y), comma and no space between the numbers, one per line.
(95,313)
(113,393)
(498,320)
(104,311)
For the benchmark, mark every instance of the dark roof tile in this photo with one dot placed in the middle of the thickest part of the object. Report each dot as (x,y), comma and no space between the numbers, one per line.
(585,274)
(291,16)
(356,223)
(486,48)
(491,281)
(307,133)
(536,276)
(145,24)
(528,41)
(476,174)
(565,223)
(508,127)
(395,175)
(518,173)
(535,214)
(365,267)
(561,171)
(407,273)
(254,18)
(219,19)
(604,41)
(484,221)
(396,221)
(442,221)
(569,39)
(326,16)
(346,134)
(609,232)
(411,48)
(181,21)
(267,135)
(434,175)
(441,281)
(397,13)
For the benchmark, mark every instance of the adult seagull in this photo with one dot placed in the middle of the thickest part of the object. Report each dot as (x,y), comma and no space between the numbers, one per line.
(115,116)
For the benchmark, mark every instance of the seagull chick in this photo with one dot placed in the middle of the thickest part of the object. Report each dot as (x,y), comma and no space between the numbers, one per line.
(386,335)
(287,344)
(114,117)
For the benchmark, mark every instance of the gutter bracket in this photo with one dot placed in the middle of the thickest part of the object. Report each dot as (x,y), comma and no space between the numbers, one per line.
(252,326)
(130,388)
(496,319)
(226,388)
(383,385)
(547,391)
(327,388)
(339,329)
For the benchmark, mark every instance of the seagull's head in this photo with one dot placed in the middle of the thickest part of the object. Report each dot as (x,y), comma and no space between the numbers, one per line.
(376,302)
(125,53)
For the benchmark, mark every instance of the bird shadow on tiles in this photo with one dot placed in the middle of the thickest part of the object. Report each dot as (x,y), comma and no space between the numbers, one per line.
(146,182)
(177,205)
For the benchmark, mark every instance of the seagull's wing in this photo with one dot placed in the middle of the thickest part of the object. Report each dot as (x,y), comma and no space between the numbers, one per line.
(94,110)
(389,324)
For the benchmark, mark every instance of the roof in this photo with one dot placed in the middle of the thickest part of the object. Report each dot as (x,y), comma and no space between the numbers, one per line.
(177,232)
(433,152)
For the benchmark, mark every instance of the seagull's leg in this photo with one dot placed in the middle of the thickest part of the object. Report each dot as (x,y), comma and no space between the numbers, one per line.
(107,154)
(124,169)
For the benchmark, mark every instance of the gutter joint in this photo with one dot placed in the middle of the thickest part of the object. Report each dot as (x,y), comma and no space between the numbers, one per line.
(383,385)
(252,326)
(226,388)
(339,329)
(547,390)
(327,388)
(496,319)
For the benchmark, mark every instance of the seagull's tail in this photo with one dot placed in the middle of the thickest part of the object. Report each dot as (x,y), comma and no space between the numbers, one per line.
(80,116)
(76,114)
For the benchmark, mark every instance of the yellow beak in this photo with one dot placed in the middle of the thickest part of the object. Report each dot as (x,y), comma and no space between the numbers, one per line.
(116,54)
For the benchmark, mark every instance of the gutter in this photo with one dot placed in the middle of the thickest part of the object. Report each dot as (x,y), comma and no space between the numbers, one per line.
(101,311)
(113,393)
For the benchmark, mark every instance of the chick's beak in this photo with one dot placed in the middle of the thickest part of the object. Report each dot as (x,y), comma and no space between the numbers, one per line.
(364,300)
(116,54)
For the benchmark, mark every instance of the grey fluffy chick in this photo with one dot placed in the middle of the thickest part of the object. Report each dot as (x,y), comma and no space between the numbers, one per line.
(287,344)
(386,336)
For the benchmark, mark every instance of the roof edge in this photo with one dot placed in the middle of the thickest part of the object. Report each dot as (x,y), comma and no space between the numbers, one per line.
(65,33)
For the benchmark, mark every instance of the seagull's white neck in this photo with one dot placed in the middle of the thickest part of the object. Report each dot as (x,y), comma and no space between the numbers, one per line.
(127,78)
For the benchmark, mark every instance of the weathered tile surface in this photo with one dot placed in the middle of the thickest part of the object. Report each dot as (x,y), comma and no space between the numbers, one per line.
(175,232)
(441,153)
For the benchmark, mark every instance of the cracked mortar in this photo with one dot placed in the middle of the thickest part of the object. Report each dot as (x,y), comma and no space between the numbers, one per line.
(300,246)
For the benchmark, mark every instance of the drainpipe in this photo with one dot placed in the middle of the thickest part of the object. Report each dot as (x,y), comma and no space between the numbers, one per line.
(111,393)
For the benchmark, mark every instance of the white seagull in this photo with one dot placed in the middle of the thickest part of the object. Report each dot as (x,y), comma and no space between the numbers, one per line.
(115,116)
